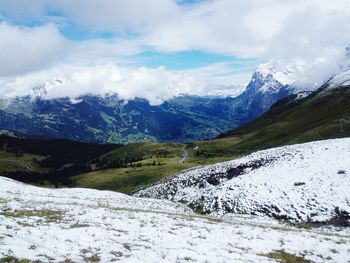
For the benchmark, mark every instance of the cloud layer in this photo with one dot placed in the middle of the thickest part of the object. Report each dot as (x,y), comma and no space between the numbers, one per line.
(155,85)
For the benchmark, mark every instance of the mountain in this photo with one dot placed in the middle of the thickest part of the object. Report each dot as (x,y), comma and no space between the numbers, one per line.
(302,117)
(301,183)
(112,120)
(84,225)
(270,82)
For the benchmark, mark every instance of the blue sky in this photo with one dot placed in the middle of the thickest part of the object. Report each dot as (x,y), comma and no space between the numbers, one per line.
(169,46)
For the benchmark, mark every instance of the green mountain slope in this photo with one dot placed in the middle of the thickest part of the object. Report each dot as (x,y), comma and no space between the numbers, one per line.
(324,114)
(34,160)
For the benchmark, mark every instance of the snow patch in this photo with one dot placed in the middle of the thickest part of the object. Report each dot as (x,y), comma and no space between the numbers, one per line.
(340,80)
(302,183)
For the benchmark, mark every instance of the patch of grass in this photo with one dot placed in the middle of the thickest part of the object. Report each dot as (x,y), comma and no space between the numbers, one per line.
(25,162)
(117,254)
(127,246)
(49,215)
(341,242)
(78,225)
(215,220)
(301,225)
(218,150)
(286,257)
(92,258)
(89,256)
(32,247)
(126,180)
(12,259)
(24,224)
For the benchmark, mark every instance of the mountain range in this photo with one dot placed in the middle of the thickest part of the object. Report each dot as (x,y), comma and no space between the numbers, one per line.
(108,119)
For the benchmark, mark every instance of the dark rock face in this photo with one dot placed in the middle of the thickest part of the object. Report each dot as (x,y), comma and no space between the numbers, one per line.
(260,94)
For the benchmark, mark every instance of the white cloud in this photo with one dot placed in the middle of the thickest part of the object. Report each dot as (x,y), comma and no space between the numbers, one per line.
(257,28)
(241,28)
(111,15)
(322,70)
(28,49)
(225,78)
(117,14)
(155,85)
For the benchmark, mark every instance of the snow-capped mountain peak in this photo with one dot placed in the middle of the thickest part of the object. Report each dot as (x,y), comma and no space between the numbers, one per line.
(270,82)
(283,72)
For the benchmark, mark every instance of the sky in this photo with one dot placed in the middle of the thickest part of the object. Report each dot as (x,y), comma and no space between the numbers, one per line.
(157,49)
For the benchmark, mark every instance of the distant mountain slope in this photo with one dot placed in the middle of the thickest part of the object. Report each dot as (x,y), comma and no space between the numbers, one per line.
(84,225)
(109,119)
(303,183)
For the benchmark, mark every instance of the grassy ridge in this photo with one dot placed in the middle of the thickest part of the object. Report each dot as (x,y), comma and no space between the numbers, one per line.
(324,115)
(150,162)
(25,162)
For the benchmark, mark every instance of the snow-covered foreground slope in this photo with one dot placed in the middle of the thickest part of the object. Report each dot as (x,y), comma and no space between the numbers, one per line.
(303,183)
(80,225)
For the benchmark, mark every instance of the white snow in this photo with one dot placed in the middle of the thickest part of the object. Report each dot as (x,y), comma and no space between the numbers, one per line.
(302,94)
(104,226)
(286,73)
(340,80)
(304,183)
